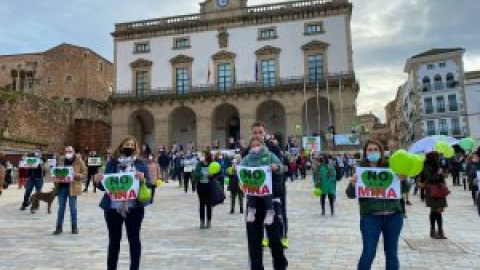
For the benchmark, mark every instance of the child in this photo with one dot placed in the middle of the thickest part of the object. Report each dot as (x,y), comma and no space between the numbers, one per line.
(259,155)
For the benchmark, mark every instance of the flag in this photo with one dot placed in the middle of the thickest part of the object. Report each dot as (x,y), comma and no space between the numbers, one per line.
(234,74)
(209,73)
(256,71)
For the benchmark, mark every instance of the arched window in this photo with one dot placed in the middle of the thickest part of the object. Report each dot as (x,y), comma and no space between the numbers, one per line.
(438,82)
(426,84)
(450,80)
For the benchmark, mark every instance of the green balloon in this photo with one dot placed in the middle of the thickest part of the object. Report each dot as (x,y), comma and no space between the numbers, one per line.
(317,192)
(467,144)
(214,168)
(449,152)
(226,180)
(417,165)
(442,147)
(400,162)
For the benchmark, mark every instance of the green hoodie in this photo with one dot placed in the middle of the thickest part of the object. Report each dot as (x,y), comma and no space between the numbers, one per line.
(369,206)
(264,158)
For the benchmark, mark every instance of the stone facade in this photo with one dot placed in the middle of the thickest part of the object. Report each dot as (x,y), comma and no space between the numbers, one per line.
(155,115)
(264,77)
(29,121)
(65,72)
(392,124)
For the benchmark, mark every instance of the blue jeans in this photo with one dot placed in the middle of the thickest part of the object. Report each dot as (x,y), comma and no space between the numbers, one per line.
(31,183)
(371,226)
(64,194)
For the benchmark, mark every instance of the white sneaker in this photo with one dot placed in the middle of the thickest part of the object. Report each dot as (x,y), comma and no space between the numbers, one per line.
(251,214)
(269,217)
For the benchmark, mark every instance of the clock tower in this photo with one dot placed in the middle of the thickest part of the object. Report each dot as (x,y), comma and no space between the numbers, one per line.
(208,7)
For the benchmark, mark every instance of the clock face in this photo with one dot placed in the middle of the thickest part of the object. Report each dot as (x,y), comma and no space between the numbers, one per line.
(222,3)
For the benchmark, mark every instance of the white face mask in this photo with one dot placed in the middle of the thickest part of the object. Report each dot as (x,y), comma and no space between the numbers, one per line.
(69,155)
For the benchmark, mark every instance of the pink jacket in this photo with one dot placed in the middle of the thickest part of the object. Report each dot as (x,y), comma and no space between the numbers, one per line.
(153,170)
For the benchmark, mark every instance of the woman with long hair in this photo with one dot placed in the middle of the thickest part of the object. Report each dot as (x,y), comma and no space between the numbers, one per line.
(377,216)
(125,158)
(433,176)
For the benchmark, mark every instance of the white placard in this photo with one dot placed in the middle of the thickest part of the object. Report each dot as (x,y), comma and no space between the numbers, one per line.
(379,183)
(255,181)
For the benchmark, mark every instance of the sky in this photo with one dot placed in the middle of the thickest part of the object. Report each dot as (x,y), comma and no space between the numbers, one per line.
(385,33)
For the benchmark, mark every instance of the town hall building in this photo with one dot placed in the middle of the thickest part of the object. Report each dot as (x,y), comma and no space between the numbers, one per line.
(206,77)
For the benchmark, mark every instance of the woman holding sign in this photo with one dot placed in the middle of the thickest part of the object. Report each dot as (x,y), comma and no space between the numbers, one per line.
(69,189)
(203,189)
(377,216)
(325,178)
(120,203)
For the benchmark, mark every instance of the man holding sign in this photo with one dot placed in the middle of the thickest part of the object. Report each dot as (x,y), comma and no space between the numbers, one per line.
(255,176)
(68,180)
(378,190)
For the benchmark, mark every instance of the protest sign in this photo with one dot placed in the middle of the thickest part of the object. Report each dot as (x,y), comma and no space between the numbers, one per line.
(255,181)
(62,174)
(380,183)
(121,186)
(94,161)
(312,144)
(31,162)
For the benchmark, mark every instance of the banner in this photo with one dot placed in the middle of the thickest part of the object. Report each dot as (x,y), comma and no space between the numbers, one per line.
(31,162)
(62,174)
(347,139)
(294,151)
(379,183)
(312,144)
(227,152)
(121,186)
(255,181)
(94,161)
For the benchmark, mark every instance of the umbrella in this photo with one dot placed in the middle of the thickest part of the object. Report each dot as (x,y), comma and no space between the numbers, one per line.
(427,144)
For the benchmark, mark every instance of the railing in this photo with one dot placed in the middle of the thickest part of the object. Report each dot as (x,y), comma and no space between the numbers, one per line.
(446,132)
(452,107)
(238,87)
(198,16)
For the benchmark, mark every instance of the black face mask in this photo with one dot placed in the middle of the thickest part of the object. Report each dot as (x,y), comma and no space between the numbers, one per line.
(127,151)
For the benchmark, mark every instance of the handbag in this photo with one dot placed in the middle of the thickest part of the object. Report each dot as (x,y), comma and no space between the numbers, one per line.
(439,191)
(217,193)
(144,193)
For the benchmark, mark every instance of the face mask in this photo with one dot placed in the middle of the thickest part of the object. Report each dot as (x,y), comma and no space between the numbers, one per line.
(69,155)
(150,158)
(256,149)
(127,151)
(202,159)
(373,157)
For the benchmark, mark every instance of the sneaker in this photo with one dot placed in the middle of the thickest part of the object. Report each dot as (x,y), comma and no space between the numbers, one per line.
(285,242)
(409,203)
(232,211)
(209,224)
(57,231)
(23,208)
(265,242)
(251,214)
(202,225)
(269,217)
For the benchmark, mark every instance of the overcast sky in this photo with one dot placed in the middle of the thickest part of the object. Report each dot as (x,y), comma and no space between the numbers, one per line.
(385,33)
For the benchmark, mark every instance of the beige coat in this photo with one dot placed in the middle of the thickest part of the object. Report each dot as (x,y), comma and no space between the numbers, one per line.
(80,173)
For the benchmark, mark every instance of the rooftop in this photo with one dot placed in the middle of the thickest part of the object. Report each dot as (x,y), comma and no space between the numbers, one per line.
(436,51)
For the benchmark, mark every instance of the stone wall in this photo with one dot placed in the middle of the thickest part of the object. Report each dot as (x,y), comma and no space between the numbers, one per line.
(28,121)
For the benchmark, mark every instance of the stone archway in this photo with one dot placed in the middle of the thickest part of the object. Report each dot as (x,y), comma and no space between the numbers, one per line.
(183,126)
(225,124)
(315,118)
(141,125)
(272,114)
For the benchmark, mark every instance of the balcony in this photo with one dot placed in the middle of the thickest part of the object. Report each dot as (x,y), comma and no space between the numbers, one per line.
(452,108)
(428,109)
(447,132)
(282,84)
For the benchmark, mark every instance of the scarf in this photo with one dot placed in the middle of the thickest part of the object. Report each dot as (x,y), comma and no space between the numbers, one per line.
(125,164)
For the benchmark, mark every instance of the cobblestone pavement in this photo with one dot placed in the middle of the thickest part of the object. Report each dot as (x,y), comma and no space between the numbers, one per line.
(171,238)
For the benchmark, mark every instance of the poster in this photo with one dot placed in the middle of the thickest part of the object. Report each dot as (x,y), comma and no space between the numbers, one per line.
(31,162)
(312,144)
(294,151)
(379,183)
(226,152)
(62,174)
(121,186)
(52,162)
(347,139)
(255,181)
(94,161)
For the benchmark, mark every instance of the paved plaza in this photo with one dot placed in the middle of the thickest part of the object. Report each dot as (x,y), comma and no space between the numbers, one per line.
(172,240)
